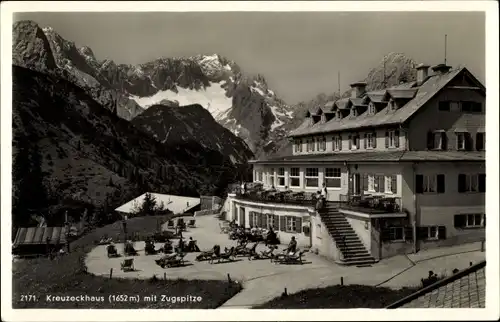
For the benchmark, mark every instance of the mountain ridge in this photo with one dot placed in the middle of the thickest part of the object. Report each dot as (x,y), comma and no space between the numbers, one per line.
(242,103)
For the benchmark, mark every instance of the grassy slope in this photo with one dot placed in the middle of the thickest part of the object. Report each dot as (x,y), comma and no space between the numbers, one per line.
(339,297)
(66,276)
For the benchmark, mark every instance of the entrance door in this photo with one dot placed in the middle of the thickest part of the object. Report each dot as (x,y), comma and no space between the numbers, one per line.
(242,217)
(356,183)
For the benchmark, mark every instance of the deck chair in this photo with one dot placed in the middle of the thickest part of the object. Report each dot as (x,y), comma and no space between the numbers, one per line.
(112,252)
(292,259)
(224,229)
(268,254)
(228,256)
(127,265)
(192,223)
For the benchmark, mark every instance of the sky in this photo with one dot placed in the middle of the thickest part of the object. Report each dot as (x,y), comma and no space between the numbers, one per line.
(299,53)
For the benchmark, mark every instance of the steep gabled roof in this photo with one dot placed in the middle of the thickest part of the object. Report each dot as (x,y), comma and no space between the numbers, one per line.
(418,97)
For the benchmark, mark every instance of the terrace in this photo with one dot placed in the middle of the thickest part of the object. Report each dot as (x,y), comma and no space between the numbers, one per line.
(366,204)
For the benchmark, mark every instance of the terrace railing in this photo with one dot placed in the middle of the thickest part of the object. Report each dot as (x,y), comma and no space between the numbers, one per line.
(287,197)
(371,204)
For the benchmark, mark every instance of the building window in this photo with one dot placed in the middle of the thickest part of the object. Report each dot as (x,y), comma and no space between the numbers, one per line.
(471,107)
(391,184)
(371,109)
(291,224)
(271,221)
(332,177)
(480,141)
(354,142)
(298,145)
(469,221)
(436,140)
(337,143)
(471,183)
(312,177)
(429,233)
(444,106)
(294,177)
(392,139)
(271,177)
(322,144)
(281,177)
(396,233)
(375,183)
(460,141)
(369,140)
(309,145)
(430,183)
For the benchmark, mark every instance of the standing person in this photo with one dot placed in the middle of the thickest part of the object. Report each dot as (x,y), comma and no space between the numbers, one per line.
(242,188)
(324,194)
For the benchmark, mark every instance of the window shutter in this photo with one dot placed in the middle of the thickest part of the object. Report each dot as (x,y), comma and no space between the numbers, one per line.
(386,139)
(430,140)
(250,218)
(381,183)
(419,183)
(282,223)
(394,184)
(440,183)
(441,232)
(385,234)
(374,140)
(349,138)
(459,221)
(340,143)
(408,233)
(479,141)
(468,141)
(461,183)
(396,138)
(444,141)
(276,222)
(482,182)
(298,224)
(365,182)
(364,141)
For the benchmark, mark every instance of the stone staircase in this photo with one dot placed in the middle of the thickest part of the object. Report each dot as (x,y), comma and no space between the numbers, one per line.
(352,248)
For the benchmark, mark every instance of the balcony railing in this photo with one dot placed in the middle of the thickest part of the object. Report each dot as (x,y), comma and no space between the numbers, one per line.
(371,204)
(284,197)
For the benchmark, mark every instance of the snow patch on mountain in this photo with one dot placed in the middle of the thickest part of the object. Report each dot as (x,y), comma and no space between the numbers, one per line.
(213,98)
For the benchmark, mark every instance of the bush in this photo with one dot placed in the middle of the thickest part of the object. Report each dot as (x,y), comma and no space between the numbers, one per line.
(339,297)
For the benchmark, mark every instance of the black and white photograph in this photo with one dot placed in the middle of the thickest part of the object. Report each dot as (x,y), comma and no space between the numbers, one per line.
(271,160)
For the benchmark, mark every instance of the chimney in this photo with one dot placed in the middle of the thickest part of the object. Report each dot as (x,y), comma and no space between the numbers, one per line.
(441,69)
(358,89)
(422,73)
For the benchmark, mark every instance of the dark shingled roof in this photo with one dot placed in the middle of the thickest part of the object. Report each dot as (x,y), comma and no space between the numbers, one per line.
(388,156)
(416,96)
(466,289)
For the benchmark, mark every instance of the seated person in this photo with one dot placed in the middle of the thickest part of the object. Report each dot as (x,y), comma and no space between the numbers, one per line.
(111,248)
(253,230)
(192,247)
(292,246)
(150,247)
(168,248)
(129,248)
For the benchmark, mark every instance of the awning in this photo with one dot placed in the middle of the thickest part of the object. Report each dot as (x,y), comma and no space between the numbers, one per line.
(461,130)
(439,131)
